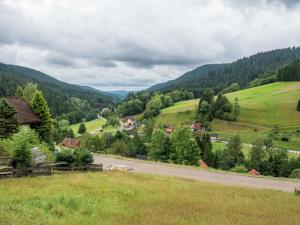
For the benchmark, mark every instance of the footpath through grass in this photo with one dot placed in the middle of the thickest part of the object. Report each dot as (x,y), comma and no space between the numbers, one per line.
(126,198)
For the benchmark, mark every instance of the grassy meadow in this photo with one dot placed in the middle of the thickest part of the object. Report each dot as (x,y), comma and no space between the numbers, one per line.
(90,125)
(93,126)
(126,198)
(261,108)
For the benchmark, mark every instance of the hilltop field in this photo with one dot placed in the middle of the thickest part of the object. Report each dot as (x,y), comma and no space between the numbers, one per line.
(262,109)
(127,198)
(94,127)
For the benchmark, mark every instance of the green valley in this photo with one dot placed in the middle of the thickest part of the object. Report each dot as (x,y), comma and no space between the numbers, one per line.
(263,108)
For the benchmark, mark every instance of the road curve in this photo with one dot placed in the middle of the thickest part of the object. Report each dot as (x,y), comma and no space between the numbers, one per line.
(140,166)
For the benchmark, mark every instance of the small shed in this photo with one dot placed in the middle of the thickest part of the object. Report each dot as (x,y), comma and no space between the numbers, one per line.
(202,164)
(71,143)
(253,172)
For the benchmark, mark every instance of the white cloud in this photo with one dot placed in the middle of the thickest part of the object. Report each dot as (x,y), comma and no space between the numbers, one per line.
(116,44)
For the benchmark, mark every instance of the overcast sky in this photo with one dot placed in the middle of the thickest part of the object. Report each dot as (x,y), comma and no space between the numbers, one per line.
(133,44)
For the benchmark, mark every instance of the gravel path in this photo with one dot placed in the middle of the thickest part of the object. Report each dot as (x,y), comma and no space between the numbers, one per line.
(139,166)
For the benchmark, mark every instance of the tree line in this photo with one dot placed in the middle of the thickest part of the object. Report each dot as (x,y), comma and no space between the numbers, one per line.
(61,97)
(221,108)
(150,103)
(261,66)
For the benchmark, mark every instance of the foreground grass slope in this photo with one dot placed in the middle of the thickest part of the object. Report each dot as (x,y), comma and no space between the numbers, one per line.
(120,198)
(261,108)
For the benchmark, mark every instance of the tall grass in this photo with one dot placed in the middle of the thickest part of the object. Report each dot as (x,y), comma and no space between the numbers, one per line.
(120,198)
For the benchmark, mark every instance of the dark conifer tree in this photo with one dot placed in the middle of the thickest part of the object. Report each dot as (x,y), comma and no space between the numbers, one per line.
(82,128)
(8,119)
(40,107)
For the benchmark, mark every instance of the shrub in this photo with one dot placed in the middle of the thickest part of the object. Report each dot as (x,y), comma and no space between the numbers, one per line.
(295,174)
(21,145)
(77,157)
(298,105)
(82,157)
(82,128)
(284,138)
(239,169)
(65,155)
(120,147)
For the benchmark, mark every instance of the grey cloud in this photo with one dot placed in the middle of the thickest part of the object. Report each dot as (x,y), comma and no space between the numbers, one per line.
(112,43)
(59,59)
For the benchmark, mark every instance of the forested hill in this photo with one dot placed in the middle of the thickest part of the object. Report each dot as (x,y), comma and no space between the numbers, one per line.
(242,71)
(60,95)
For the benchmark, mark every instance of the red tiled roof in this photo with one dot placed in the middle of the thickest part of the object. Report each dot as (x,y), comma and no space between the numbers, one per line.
(197,126)
(71,142)
(203,165)
(25,114)
(253,172)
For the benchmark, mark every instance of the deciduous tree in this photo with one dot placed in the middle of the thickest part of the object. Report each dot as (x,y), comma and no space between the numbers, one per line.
(185,147)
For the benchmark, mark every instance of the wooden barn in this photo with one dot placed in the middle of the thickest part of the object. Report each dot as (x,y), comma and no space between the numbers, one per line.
(25,114)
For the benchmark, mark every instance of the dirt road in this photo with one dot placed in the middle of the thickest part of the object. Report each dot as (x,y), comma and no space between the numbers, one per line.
(140,166)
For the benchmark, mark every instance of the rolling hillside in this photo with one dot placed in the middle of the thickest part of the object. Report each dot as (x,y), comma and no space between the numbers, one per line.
(261,108)
(56,92)
(242,71)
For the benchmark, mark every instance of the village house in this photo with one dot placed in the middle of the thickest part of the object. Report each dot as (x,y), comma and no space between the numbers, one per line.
(168,129)
(129,123)
(197,127)
(25,115)
(71,143)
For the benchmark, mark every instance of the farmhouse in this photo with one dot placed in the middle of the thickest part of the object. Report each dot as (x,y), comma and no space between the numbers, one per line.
(168,129)
(25,114)
(196,127)
(71,143)
(129,123)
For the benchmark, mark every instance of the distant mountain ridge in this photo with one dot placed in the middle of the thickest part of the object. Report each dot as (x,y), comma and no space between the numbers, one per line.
(242,71)
(56,92)
(119,93)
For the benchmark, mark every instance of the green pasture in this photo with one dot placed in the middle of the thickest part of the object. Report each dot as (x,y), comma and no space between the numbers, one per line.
(262,109)
(112,198)
(90,125)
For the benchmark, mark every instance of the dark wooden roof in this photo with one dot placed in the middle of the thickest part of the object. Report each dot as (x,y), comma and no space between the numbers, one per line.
(25,113)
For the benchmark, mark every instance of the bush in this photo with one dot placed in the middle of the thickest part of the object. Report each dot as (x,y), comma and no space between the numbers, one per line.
(284,138)
(297,191)
(298,105)
(120,147)
(65,155)
(82,128)
(82,157)
(239,169)
(77,157)
(20,147)
(295,174)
